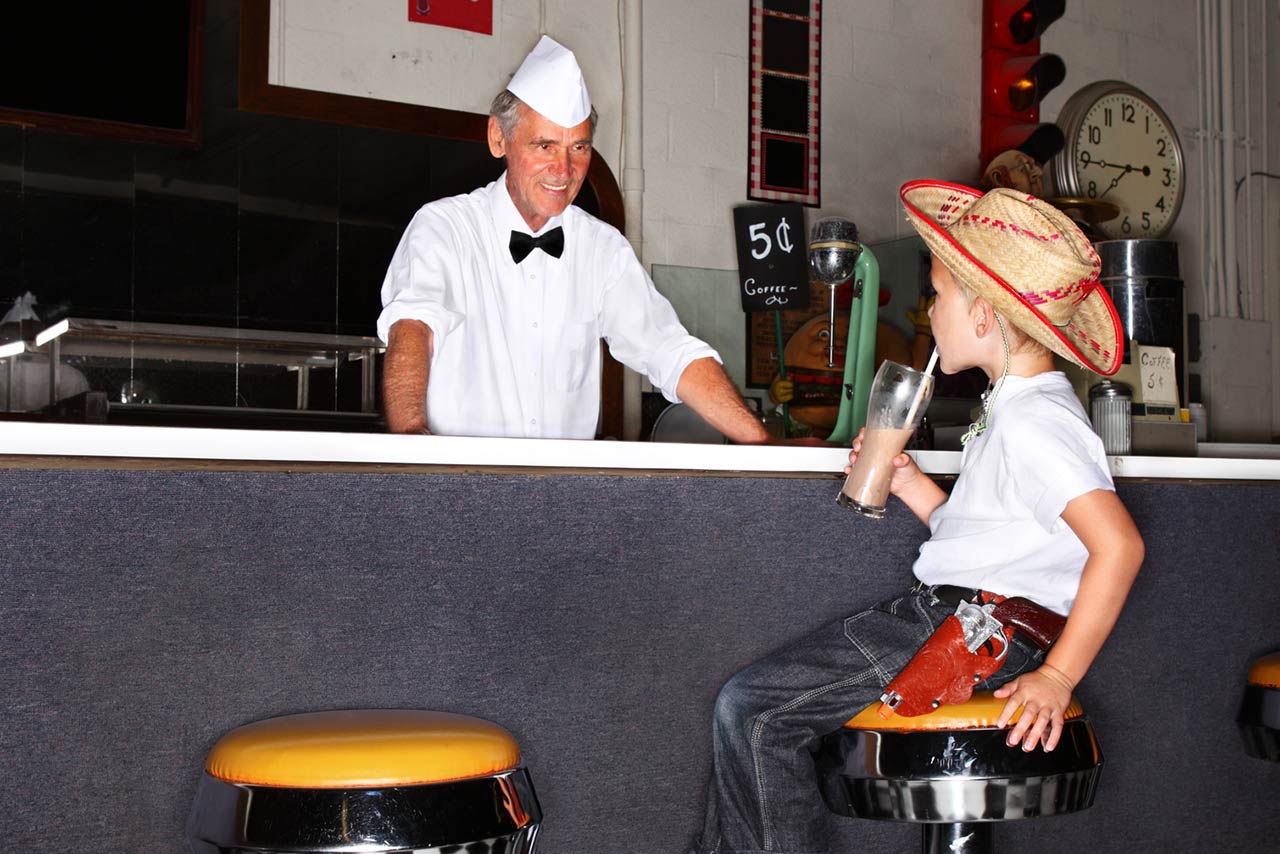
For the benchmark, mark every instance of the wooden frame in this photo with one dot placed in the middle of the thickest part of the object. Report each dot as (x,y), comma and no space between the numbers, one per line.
(187,137)
(257,95)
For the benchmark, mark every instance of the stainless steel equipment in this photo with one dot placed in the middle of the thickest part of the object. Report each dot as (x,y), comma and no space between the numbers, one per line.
(834,256)
(160,373)
(1141,276)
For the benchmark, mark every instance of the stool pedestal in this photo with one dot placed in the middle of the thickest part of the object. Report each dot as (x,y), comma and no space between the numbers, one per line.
(1260,712)
(952,772)
(365,781)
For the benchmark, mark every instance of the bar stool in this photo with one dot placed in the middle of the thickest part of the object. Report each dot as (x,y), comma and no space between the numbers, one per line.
(384,780)
(952,772)
(1260,713)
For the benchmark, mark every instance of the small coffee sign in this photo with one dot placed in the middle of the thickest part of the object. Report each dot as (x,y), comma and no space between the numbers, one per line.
(773,268)
(1158,377)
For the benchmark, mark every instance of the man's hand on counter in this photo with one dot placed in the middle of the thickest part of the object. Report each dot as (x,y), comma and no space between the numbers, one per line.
(706,389)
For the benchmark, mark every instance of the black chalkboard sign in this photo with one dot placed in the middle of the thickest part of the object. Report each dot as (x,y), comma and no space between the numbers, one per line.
(773,269)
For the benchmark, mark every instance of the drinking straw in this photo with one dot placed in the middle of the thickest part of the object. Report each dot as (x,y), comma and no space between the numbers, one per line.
(915,404)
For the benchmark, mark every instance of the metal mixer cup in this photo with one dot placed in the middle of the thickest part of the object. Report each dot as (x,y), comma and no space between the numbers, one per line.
(836,256)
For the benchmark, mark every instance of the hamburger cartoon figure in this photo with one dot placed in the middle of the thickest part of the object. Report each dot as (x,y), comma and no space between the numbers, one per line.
(811,386)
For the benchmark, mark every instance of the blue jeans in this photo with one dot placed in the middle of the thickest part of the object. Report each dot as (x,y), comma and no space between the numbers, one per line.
(769,716)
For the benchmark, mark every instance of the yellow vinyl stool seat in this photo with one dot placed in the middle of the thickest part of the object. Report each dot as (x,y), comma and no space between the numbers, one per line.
(982,710)
(1259,717)
(952,772)
(1266,671)
(367,780)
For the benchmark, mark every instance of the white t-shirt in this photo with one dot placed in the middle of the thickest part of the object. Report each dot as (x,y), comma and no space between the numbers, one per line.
(1001,529)
(517,347)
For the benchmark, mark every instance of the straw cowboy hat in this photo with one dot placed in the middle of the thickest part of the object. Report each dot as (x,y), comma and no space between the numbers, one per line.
(1026,258)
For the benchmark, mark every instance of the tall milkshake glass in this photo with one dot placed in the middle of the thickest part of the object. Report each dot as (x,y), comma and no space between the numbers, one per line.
(899,397)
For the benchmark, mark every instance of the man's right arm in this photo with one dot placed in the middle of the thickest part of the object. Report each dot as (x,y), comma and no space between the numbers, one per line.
(405,370)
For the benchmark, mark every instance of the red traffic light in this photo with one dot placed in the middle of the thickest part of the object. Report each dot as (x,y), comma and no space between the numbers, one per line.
(1014,85)
(1016,77)
(1014,24)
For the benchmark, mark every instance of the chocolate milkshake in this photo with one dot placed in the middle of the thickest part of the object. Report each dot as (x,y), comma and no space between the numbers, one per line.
(867,487)
(899,396)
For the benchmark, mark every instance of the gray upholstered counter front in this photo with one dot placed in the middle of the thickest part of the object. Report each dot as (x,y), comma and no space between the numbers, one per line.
(161,588)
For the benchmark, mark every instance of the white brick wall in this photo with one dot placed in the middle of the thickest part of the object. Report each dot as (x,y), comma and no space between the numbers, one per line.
(369,48)
(899,89)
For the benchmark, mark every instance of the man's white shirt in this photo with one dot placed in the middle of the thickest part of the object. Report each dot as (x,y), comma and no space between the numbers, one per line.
(516,346)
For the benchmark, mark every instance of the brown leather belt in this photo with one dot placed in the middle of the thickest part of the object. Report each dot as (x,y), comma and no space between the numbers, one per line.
(1037,623)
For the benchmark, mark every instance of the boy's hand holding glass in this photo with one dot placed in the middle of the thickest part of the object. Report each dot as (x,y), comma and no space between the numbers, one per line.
(905,469)
(899,397)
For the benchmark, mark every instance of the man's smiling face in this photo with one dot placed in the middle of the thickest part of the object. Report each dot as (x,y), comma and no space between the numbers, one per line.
(546,163)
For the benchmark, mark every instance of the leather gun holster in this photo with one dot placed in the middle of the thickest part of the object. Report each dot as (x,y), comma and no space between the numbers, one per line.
(967,648)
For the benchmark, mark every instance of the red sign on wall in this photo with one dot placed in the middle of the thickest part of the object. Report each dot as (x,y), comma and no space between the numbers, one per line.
(473,15)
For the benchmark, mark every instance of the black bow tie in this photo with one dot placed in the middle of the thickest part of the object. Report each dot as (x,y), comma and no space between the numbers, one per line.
(551,243)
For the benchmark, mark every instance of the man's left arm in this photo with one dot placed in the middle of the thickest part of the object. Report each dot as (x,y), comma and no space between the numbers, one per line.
(707,390)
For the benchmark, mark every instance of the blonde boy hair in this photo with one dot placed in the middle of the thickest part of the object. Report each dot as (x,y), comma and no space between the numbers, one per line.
(1019,341)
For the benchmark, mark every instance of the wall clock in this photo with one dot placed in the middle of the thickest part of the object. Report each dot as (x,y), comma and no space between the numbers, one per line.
(1120,149)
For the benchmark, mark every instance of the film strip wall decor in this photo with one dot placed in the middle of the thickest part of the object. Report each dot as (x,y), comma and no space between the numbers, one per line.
(786,48)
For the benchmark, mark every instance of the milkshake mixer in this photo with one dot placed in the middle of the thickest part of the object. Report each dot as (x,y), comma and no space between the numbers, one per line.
(835,256)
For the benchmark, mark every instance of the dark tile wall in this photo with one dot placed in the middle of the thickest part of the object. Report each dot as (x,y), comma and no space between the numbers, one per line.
(272,223)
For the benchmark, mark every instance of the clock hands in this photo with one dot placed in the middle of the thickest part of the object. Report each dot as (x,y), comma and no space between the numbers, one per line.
(1086,161)
(1145,170)
(1112,185)
(1125,169)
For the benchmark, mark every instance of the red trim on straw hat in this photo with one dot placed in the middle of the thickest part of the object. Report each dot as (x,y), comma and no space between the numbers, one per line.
(952,210)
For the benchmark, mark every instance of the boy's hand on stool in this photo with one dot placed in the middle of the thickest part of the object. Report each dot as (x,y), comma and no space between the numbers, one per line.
(1044,695)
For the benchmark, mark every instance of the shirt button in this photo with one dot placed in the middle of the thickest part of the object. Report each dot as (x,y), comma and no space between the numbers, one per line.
(533,421)
(535,324)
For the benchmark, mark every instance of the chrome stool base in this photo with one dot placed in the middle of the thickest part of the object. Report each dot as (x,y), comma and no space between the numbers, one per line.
(972,837)
(1260,722)
(956,783)
(519,843)
(498,814)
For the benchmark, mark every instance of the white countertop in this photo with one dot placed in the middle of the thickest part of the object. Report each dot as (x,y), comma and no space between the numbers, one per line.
(101,443)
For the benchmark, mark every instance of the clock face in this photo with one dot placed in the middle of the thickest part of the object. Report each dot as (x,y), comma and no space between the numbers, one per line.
(1126,153)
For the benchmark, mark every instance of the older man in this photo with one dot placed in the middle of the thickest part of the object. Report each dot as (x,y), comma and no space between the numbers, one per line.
(495,301)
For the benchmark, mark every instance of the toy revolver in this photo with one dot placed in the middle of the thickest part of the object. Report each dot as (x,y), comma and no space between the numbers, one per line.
(969,646)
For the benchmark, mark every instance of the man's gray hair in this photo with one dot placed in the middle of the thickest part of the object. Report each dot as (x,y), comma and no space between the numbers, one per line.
(506,109)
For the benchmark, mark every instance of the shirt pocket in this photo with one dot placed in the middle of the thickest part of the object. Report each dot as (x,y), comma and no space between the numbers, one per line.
(576,352)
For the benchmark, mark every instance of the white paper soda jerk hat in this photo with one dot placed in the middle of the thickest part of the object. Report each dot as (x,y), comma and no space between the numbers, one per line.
(550,81)
(1028,259)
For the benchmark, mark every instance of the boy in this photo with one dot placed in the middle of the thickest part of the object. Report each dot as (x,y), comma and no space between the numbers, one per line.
(1033,513)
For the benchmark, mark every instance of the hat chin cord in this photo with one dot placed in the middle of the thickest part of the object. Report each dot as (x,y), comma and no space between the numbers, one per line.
(989,396)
